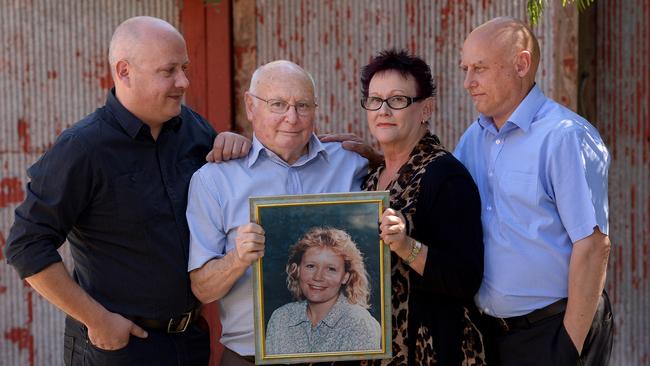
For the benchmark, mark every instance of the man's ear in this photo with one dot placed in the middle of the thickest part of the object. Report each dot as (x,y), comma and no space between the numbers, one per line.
(122,73)
(523,63)
(248,102)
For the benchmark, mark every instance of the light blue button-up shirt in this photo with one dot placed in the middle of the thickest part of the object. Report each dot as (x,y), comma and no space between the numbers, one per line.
(543,184)
(218,204)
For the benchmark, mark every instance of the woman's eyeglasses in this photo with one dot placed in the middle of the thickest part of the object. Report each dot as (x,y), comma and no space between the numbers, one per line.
(395,102)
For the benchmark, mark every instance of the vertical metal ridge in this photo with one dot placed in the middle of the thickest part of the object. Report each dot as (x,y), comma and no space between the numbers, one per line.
(623,46)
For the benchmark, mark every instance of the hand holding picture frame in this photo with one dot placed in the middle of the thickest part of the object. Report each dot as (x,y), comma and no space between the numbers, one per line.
(322,289)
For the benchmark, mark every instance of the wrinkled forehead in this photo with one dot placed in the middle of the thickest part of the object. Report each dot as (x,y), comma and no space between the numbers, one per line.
(283,82)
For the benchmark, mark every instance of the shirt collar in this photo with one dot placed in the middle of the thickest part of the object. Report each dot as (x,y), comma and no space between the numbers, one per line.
(336,313)
(131,124)
(315,149)
(525,112)
(301,317)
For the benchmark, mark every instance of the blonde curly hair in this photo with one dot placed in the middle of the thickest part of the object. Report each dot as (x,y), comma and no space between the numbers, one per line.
(356,289)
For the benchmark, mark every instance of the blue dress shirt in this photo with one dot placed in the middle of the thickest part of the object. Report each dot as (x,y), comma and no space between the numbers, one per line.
(218,204)
(543,184)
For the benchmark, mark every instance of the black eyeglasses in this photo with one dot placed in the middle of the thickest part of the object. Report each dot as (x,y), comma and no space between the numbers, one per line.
(395,102)
(280,106)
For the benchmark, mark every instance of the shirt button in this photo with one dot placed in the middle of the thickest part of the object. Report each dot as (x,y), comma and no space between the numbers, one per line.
(490,174)
(498,141)
(489,208)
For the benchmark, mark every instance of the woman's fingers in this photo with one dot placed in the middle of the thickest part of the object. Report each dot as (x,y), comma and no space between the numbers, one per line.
(393,230)
(392,222)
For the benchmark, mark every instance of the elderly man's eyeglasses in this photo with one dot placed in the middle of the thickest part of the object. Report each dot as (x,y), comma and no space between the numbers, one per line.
(395,102)
(281,107)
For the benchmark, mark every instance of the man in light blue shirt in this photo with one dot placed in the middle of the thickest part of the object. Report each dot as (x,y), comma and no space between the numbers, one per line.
(285,158)
(542,175)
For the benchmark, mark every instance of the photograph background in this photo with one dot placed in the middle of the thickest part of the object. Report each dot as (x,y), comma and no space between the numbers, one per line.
(284,225)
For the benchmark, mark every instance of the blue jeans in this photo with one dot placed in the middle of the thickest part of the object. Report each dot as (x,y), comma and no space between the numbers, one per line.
(190,348)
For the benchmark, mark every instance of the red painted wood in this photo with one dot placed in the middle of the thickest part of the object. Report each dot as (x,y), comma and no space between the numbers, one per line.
(211,313)
(219,75)
(193,28)
(207,31)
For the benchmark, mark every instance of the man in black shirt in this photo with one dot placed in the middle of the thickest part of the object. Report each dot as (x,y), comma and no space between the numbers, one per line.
(115,184)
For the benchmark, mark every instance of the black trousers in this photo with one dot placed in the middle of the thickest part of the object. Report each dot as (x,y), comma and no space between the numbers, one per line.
(190,348)
(547,343)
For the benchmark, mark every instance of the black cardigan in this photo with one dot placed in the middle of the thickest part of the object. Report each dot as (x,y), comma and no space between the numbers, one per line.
(448,221)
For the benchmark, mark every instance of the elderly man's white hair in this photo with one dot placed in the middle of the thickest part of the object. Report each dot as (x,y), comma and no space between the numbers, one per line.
(261,73)
(130,34)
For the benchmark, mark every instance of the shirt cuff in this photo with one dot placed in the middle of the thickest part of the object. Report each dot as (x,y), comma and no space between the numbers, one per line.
(31,259)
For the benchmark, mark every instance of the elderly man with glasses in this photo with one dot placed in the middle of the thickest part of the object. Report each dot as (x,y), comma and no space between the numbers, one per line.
(286,158)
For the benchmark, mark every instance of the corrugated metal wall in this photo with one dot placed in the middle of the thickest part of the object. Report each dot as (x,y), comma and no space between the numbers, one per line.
(623,117)
(53,71)
(334,39)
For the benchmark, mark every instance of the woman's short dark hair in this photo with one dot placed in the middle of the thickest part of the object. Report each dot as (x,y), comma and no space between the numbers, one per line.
(404,63)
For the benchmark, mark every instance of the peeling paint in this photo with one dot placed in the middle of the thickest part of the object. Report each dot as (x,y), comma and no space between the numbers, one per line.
(24,136)
(106,81)
(11,192)
(22,337)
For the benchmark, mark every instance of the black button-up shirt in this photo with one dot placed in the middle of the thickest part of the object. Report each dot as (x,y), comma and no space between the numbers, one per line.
(120,198)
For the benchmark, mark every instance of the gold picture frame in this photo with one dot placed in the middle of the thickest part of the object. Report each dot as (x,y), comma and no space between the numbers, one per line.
(285,220)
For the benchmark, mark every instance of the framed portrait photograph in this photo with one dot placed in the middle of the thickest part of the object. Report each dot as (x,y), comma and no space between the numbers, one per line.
(322,289)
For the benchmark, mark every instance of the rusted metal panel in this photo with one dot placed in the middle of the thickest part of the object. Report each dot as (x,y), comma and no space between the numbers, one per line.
(623,115)
(53,71)
(334,39)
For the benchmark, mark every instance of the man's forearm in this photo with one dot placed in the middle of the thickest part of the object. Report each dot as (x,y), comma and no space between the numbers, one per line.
(216,277)
(587,273)
(55,284)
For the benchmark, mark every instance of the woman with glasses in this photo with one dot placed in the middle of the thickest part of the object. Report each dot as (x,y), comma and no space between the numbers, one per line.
(433,225)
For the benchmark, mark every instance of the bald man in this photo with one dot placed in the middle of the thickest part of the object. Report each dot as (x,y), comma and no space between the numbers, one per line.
(542,175)
(115,184)
(286,158)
